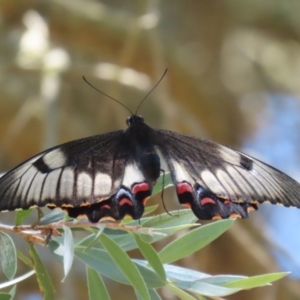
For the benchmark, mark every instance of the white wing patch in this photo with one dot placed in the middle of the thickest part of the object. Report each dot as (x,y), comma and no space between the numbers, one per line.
(212,182)
(102,185)
(227,183)
(84,185)
(34,192)
(55,159)
(50,185)
(229,155)
(132,175)
(180,173)
(67,183)
(26,181)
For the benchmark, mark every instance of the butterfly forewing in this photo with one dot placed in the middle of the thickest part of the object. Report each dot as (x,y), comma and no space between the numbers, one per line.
(93,176)
(217,182)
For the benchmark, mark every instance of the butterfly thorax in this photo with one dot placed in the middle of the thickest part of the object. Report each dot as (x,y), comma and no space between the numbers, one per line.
(142,139)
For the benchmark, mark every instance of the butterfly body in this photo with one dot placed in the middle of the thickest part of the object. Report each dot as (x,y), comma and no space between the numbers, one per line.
(110,176)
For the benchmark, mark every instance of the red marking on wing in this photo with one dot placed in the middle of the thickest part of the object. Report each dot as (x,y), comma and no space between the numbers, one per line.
(140,187)
(125,201)
(183,187)
(207,200)
(105,206)
(227,202)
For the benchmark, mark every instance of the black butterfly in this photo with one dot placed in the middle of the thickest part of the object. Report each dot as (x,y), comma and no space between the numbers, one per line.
(111,175)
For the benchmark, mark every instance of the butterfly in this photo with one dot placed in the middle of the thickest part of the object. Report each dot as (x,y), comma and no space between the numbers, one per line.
(110,176)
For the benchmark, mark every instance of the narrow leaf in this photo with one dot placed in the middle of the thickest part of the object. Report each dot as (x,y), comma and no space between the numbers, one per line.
(125,264)
(101,228)
(162,185)
(96,286)
(151,256)
(43,278)
(153,295)
(256,281)
(8,255)
(16,280)
(180,217)
(12,292)
(102,262)
(26,260)
(68,250)
(22,215)
(193,241)
(5,296)
(149,209)
(205,289)
(52,217)
(180,293)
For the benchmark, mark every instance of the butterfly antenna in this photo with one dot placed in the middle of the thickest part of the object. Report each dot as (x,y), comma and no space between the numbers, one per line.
(110,97)
(161,78)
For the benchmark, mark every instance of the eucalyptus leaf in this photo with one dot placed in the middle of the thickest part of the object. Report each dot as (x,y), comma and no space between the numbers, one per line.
(180,293)
(164,181)
(22,215)
(42,275)
(205,289)
(68,253)
(128,268)
(5,296)
(151,256)
(256,281)
(96,286)
(52,217)
(193,241)
(8,255)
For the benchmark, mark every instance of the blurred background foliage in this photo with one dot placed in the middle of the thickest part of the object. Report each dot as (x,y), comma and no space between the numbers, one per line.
(233,77)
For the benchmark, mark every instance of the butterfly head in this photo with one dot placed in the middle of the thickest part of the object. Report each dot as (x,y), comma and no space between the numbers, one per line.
(134,119)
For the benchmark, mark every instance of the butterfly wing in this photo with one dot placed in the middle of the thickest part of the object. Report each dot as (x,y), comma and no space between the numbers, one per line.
(217,182)
(95,176)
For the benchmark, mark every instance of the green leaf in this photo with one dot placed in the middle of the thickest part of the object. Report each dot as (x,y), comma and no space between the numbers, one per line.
(101,228)
(43,278)
(175,273)
(26,260)
(68,253)
(180,293)
(22,215)
(153,295)
(205,289)
(96,286)
(125,264)
(150,209)
(101,261)
(162,185)
(16,280)
(5,296)
(221,280)
(193,241)
(180,217)
(256,281)
(54,216)
(12,292)
(8,255)
(151,256)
